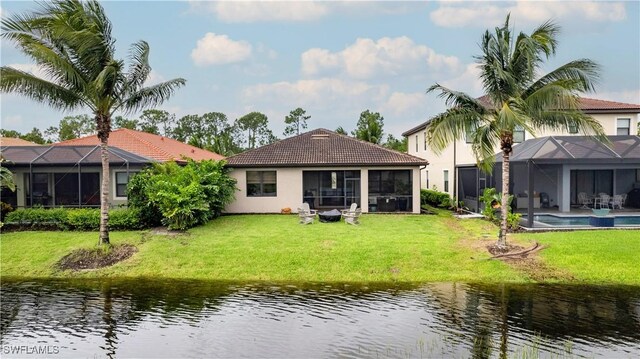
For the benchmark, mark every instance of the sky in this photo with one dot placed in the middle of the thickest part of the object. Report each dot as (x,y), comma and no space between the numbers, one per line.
(337,59)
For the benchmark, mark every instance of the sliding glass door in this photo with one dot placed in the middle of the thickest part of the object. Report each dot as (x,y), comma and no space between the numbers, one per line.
(331,189)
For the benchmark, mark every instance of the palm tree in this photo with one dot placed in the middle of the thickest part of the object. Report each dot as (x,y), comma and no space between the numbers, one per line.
(516,98)
(71,42)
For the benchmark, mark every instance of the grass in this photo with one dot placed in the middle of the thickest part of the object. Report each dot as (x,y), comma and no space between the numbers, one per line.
(384,248)
(593,256)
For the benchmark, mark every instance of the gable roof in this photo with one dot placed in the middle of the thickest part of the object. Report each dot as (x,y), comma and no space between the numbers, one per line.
(145,144)
(67,156)
(587,105)
(322,147)
(10,141)
(574,149)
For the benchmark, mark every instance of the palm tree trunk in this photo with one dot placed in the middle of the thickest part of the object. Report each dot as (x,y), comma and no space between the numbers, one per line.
(104,195)
(502,238)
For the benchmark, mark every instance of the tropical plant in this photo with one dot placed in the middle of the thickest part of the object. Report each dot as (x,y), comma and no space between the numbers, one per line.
(6,177)
(71,41)
(517,97)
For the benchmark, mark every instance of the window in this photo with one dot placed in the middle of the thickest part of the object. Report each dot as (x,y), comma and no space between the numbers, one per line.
(426,175)
(573,129)
(468,135)
(261,183)
(518,134)
(416,143)
(122,180)
(623,126)
(446,180)
(425,140)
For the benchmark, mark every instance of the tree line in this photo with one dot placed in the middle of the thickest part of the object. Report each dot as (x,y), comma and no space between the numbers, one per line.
(212,131)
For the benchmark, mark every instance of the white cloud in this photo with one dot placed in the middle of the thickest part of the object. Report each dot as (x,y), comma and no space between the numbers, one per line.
(35,70)
(367,58)
(401,103)
(215,49)
(468,81)
(154,78)
(324,92)
(263,11)
(482,14)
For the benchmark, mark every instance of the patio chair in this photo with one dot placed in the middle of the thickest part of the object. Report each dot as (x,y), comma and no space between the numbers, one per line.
(353,217)
(605,199)
(584,200)
(616,201)
(305,214)
(623,200)
(353,208)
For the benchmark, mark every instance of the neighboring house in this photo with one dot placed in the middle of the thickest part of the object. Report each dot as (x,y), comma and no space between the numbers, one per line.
(11,141)
(53,176)
(327,170)
(159,148)
(69,173)
(560,178)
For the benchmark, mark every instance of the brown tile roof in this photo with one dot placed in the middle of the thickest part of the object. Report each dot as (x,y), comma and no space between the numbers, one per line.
(10,141)
(322,147)
(588,105)
(148,145)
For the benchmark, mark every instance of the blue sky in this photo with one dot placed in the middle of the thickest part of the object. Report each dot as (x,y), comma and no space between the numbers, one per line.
(336,59)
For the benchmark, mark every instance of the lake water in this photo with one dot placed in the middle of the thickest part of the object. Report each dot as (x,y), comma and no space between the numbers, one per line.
(144,318)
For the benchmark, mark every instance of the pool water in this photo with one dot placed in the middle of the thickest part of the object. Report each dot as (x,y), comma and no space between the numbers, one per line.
(582,221)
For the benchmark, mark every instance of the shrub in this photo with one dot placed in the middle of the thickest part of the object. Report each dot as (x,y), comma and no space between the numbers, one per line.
(435,198)
(85,219)
(182,196)
(513,221)
(5,208)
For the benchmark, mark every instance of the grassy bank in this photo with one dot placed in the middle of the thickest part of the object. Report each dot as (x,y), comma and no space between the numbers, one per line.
(275,248)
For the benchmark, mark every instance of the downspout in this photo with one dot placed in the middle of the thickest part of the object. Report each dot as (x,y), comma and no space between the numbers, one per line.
(455,178)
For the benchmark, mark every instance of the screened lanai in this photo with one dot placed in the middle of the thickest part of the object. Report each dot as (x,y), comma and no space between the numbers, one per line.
(557,169)
(52,176)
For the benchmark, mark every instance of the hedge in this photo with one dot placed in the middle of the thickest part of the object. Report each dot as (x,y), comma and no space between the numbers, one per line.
(81,219)
(435,198)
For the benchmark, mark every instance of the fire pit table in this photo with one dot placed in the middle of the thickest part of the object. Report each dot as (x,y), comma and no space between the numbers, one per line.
(330,216)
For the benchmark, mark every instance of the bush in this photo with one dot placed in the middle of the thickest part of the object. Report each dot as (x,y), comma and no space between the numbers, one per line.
(513,221)
(84,219)
(5,208)
(182,196)
(435,198)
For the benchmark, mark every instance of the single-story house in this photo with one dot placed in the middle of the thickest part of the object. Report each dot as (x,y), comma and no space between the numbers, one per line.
(327,170)
(69,173)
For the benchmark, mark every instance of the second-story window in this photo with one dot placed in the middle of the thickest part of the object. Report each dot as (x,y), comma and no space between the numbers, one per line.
(416,143)
(623,126)
(425,140)
(518,134)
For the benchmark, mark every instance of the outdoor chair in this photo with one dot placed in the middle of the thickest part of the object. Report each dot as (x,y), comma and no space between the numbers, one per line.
(352,217)
(305,214)
(584,200)
(616,201)
(605,199)
(623,200)
(353,208)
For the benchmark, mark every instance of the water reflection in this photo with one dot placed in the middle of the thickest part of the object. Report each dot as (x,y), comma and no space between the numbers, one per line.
(195,319)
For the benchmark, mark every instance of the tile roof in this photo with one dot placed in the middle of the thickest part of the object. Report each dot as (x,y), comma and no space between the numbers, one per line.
(66,155)
(322,147)
(10,141)
(588,105)
(145,144)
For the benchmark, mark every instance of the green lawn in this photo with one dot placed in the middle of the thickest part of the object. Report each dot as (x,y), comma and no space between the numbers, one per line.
(407,248)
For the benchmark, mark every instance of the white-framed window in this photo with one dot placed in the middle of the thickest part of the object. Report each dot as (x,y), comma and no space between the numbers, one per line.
(262,184)
(623,126)
(518,134)
(426,175)
(468,135)
(122,180)
(446,180)
(425,140)
(416,143)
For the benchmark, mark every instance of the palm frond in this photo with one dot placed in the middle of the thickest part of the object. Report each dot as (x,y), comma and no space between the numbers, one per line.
(140,69)
(456,98)
(13,80)
(584,75)
(149,97)
(450,126)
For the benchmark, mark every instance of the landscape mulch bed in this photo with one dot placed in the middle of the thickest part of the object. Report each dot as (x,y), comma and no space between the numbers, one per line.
(527,261)
(94,258)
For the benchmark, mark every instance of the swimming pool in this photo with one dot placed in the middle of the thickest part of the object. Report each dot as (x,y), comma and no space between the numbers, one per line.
(550,220)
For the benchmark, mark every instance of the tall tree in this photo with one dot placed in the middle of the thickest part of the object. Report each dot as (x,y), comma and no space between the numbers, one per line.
(71,127)
(256,125)
(296,121)
(516,97)
(210,131)
(400,145)
(158,122)
(9,133)
(71,40)
(369,127)
(123,122)
(34,136)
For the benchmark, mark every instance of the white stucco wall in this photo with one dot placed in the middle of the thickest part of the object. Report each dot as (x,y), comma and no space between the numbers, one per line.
(464,154)
(290,192)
